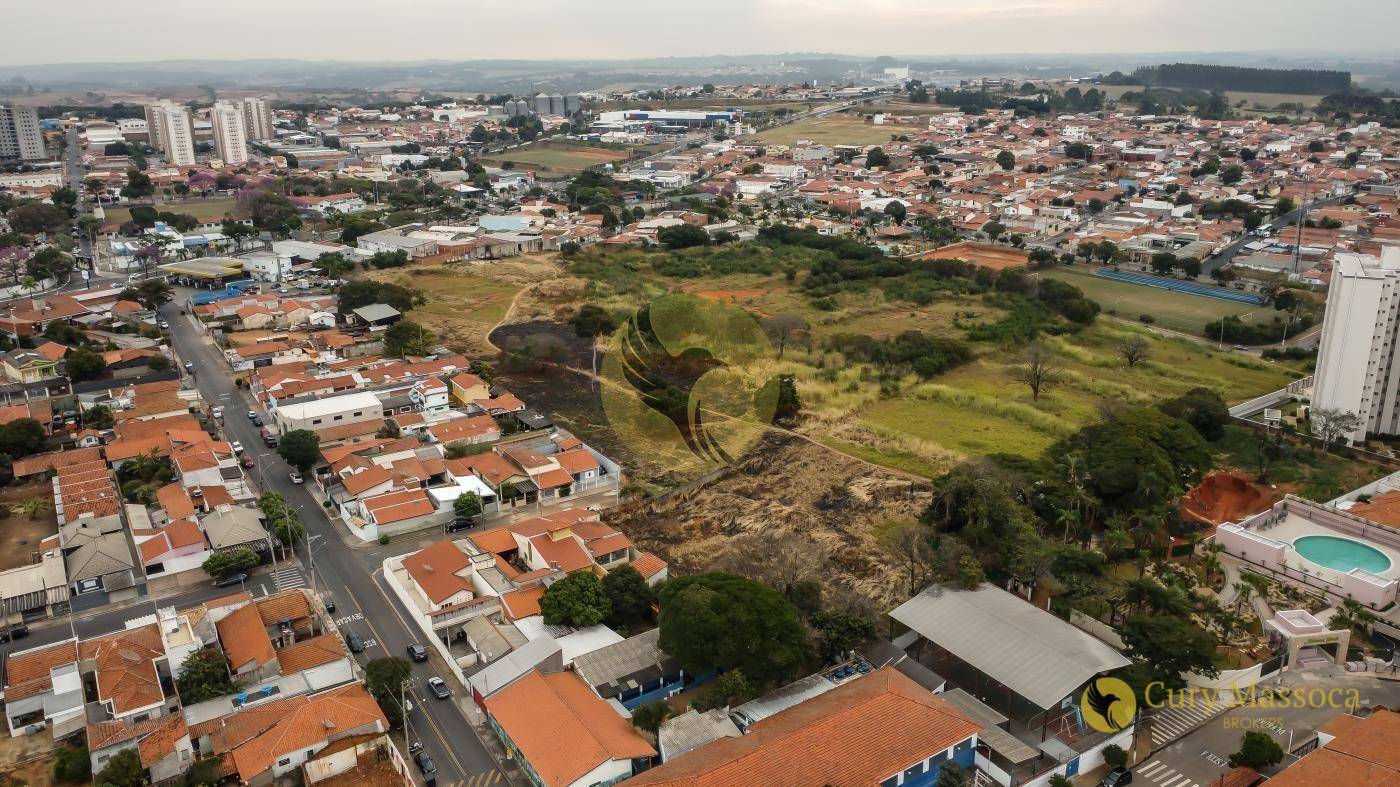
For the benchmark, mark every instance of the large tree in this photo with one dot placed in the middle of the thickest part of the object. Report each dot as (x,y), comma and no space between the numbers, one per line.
(22,437)
(1257,750)
(577,600)
(204,675)
(717,620)
(1166,648)
(226,564)
(300,448)
(405,338)
(384,679)
(84,364)
(629,596)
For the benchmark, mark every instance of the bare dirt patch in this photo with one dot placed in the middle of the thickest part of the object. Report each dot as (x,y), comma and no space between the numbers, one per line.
(1224,497)
(19,534)
(790,495)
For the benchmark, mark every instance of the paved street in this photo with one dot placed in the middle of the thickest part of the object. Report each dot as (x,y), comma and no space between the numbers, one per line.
(342,572)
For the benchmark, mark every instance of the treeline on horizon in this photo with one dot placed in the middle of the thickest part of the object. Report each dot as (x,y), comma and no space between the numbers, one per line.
(1255,80)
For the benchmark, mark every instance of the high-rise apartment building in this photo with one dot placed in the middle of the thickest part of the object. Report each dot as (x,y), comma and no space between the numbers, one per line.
(20,137)
(257,119)
(1357,368)
(230,141)
(171,130)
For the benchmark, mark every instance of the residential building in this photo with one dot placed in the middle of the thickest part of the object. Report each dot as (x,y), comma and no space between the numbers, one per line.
(257,119)
(230,138)
(172,131)
(318,414)
(1351,750)
(20,137)
(832,739)
(563,735)
(1357,371)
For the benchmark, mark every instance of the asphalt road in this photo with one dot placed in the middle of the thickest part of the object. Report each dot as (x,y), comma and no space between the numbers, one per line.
(345,574)
(1281,225)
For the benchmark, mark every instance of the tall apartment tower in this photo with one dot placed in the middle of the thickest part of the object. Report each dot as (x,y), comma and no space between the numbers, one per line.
(20,137)
(172,130)
(1358,370)
(257,119)
(230,140)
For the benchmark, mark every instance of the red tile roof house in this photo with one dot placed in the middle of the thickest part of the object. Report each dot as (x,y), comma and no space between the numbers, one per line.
(881,729)
(562,734)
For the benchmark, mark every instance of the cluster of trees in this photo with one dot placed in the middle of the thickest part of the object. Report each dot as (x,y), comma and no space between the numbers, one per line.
(925,355)
(355,294)
(1258,80)
(622,599)
(1164,263)
(281,518)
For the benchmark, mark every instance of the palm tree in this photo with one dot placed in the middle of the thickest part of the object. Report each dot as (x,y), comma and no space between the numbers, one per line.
(33,506)
(1243,592)
(1354,616)
(1114,540)
(1210,564)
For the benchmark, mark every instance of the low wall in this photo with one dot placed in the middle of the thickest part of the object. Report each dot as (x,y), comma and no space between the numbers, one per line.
(391,567)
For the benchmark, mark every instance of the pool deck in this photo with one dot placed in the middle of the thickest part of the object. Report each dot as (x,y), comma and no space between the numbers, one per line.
(1294,526)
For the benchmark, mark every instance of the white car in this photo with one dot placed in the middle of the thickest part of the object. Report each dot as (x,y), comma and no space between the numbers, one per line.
(251,415)
(297,478)
(218,412)
(237,447)
(164,326)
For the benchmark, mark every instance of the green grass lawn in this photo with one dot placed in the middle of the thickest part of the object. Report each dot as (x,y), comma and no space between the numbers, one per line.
(981,408)
(1178,311)
(203,209)
(834,130)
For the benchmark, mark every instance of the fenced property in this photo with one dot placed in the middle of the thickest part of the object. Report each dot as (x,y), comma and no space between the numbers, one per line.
(1177,285)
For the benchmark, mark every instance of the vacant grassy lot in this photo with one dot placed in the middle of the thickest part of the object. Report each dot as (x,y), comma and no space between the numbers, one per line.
(912,425)
(558,157)
(982,408)
(1175,310)
(462,306)
(202,209)
(833,130)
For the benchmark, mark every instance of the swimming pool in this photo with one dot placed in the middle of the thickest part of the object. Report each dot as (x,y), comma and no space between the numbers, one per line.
(1341,554)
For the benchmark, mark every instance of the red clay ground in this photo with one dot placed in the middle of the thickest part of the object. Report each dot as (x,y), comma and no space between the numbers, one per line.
(20,535)
(1224,497)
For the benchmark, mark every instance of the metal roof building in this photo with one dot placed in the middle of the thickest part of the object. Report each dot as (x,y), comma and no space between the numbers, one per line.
(1026,649)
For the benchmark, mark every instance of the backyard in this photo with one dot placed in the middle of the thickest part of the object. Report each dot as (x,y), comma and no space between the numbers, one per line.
(1177,311)
(22,530)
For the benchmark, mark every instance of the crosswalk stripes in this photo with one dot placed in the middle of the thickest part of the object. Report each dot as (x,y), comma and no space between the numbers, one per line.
(287,578)
(1159,774)
(1170,723)
(483,779)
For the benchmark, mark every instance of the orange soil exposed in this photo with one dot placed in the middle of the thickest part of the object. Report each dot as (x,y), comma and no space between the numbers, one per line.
(1224,497)
(987,255)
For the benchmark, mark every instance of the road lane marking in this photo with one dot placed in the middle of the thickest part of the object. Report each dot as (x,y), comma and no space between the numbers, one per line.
(442,739)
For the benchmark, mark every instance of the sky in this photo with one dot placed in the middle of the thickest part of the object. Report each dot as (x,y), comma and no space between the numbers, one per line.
(144,30)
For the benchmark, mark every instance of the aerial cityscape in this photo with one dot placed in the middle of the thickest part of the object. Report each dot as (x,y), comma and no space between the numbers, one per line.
(958,395)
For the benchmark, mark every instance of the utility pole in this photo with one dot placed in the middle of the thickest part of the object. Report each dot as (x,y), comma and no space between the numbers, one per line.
(1298,237)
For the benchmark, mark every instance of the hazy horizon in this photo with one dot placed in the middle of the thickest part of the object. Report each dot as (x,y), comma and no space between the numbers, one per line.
(87,31)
